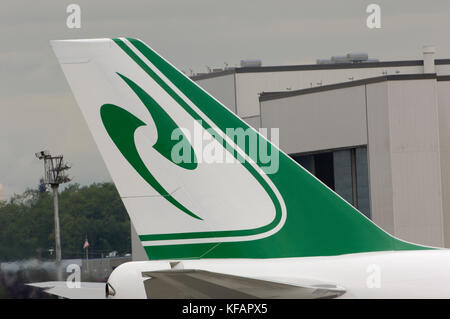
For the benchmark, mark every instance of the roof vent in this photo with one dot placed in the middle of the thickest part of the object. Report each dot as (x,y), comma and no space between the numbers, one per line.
(251,63)
(340,59)
(357,57)
(348,58)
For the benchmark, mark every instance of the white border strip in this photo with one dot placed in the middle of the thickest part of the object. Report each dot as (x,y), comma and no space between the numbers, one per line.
(242,153)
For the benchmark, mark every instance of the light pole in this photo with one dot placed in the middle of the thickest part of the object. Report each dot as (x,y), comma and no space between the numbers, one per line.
(55,174)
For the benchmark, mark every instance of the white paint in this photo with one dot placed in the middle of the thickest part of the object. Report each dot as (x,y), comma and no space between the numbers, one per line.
(407,274)
(99,61)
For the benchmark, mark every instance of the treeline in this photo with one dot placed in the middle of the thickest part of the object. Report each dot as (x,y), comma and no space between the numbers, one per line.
(95,211)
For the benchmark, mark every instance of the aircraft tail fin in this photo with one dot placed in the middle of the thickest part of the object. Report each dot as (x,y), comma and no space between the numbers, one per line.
(196,180)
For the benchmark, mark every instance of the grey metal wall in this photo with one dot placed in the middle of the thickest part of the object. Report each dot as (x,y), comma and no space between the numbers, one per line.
(318,121)
(380,170)
(444,143)
(415,160)
(222,88)
(363,182)
(253,121)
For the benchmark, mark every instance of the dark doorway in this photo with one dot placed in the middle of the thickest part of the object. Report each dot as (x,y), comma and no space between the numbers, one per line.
(324,168)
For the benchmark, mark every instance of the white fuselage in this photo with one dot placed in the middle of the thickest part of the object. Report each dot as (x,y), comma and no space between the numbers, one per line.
(391,274)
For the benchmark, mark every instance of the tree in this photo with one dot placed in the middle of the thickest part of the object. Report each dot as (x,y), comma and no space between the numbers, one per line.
(26,222)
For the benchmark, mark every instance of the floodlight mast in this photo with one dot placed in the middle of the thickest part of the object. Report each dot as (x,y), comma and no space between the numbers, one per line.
(55,174)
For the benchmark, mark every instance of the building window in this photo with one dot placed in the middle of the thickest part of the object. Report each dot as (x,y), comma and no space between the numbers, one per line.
(342,161)
(344,171)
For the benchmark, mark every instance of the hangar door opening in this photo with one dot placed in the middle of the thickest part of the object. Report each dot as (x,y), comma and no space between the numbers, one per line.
(345,171)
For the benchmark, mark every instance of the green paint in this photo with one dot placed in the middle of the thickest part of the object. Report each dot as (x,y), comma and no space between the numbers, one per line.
(319,222)
(121,126)
(226,146)
(164,126)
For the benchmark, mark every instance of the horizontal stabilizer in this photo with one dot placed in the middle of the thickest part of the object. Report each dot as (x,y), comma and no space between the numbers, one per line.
(204,284)
(87,290)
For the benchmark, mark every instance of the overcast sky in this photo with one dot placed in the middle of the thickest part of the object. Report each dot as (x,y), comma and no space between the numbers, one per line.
(38,111)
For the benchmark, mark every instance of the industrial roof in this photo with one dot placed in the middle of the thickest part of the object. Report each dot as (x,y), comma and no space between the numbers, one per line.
(308,67)
(266,96)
